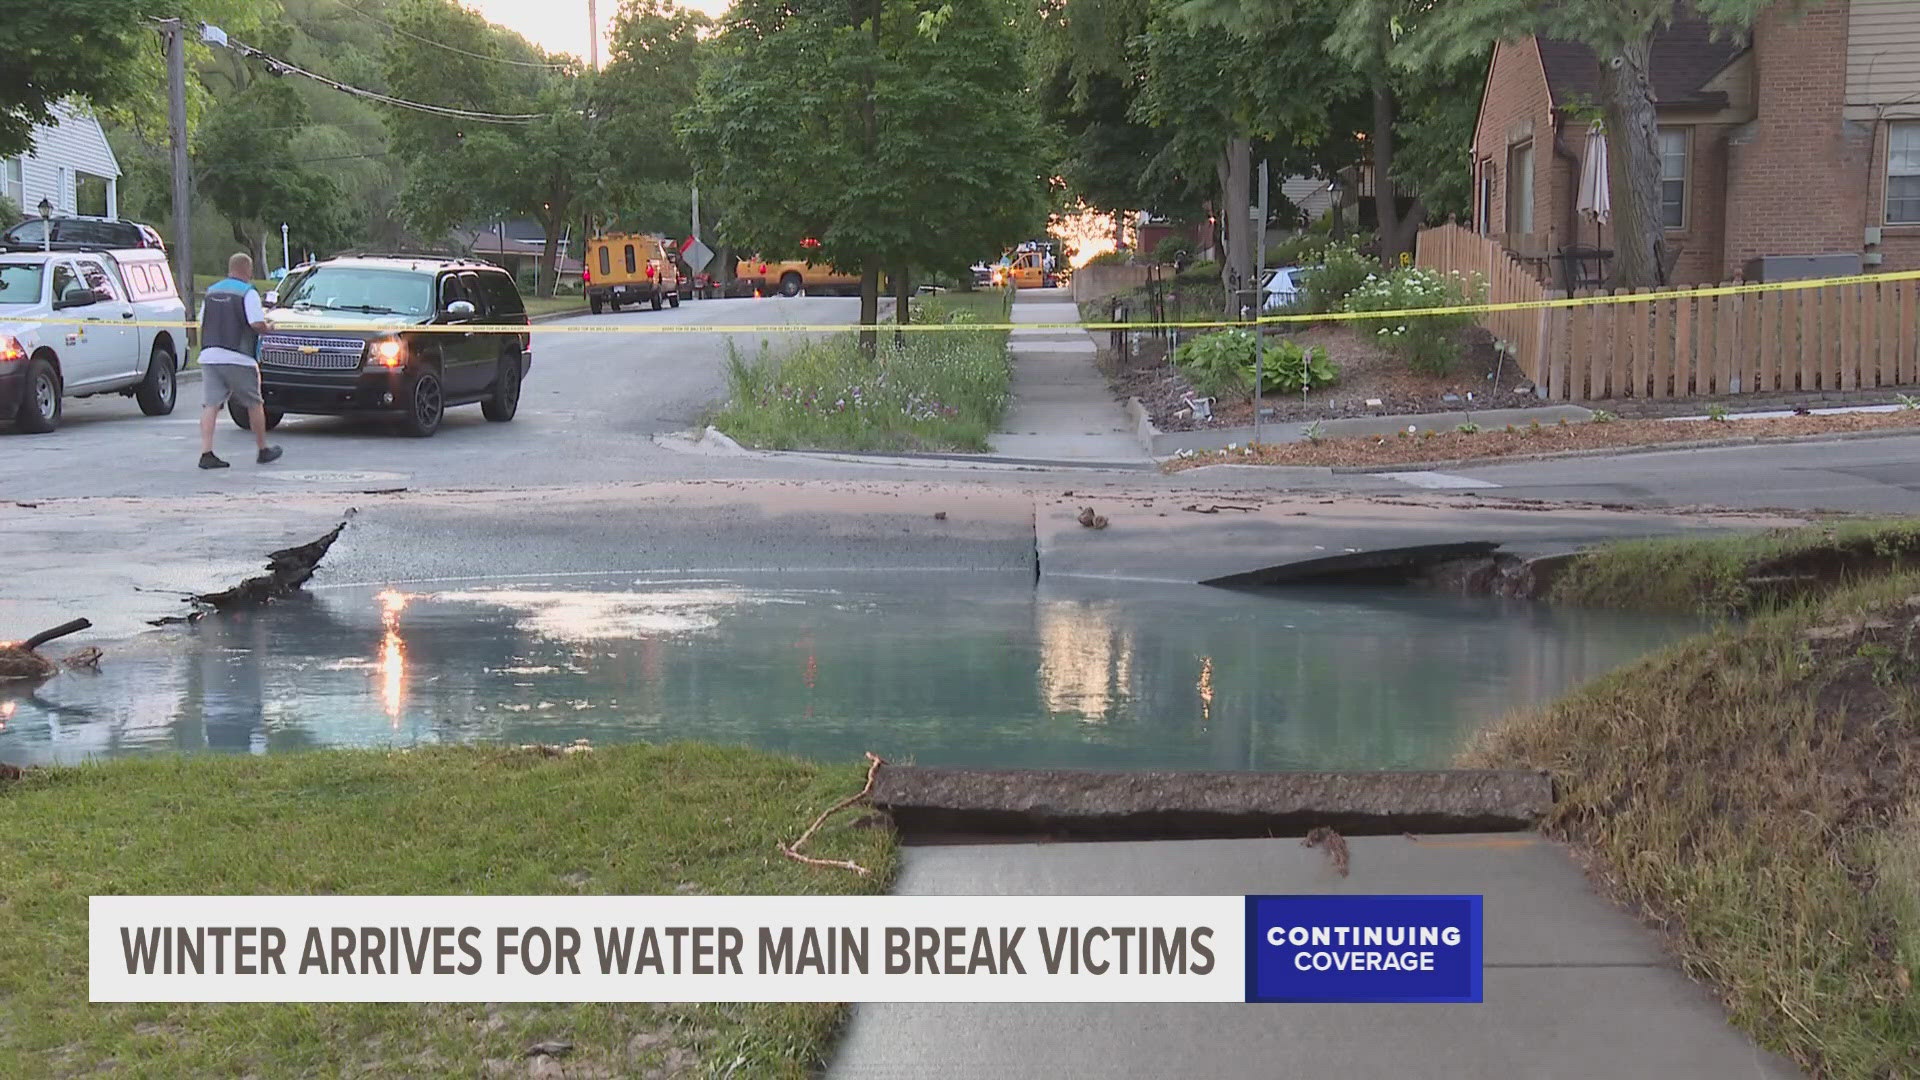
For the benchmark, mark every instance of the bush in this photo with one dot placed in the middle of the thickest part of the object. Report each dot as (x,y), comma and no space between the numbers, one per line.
(1428,343)
(1173,249)
(9,213)
(1203,272)
(1341,271)
(1111,258)
(1222,365)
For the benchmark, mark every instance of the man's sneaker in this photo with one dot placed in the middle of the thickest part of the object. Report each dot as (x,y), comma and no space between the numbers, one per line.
(268,453)
(208,461)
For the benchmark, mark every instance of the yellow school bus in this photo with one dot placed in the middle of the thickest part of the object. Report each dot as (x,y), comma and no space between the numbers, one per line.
(630,268)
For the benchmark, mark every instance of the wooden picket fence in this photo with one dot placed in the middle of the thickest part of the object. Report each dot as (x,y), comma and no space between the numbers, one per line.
(1826,338)
(1452,248)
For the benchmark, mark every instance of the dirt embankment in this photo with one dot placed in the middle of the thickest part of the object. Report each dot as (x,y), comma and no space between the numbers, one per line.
(1755,792)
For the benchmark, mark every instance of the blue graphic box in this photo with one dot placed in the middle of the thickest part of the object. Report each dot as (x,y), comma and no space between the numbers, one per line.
(1364,949)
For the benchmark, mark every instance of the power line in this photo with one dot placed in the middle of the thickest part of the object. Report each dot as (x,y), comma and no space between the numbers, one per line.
(439,45)
(277,66)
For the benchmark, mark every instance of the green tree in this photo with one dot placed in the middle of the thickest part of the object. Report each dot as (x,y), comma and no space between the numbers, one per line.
(894,132)
(465,170)
(1621,33)
(653,71)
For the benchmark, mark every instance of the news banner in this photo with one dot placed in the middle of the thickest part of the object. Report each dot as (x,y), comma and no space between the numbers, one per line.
(1319,948)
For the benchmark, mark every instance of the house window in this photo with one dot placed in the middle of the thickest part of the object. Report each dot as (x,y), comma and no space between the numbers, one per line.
(13,182)
(1673,177)
(1520,189)
(1903,174)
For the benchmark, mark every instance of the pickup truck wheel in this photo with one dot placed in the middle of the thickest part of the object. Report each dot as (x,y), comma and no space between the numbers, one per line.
(790,284)
(245,423)
(40,405)
(657,297)
(158,391)
(673,299)
(426,404)
(506,391)
(593,302)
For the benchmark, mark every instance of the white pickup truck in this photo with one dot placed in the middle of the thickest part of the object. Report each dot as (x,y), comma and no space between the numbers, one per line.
(74,324)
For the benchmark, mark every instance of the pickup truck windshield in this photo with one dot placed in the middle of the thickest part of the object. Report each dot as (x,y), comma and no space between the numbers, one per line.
(350,288)
(19,283)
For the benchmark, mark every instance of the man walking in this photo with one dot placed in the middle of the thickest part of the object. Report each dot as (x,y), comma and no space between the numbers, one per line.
(231,319)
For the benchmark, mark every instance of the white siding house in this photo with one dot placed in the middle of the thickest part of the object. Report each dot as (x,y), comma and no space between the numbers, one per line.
(70,165)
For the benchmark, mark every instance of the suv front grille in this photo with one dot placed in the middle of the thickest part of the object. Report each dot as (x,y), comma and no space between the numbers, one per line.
(311,353)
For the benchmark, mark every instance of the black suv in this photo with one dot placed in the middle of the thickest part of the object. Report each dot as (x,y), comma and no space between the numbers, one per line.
(81,234)
(314,359)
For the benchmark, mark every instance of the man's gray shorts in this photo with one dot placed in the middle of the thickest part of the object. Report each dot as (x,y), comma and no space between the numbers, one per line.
(236,381)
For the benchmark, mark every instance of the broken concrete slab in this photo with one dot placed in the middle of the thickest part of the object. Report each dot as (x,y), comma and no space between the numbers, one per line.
(1167,805)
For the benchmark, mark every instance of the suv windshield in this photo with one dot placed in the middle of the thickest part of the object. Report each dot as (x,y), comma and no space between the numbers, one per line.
(19,283)
(354,288)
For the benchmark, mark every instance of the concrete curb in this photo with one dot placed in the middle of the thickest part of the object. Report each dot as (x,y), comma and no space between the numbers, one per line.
(927,802)
(1617,451)
(554,316)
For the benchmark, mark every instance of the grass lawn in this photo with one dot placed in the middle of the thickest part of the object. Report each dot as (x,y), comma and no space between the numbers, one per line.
(1755,793)
(1739,573)
(620,820)
(931,391)
(548,305)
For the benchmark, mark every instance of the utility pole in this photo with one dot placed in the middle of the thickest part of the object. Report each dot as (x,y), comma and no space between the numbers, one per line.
(696,211)
(176,34)
(1260,301)
(593,35)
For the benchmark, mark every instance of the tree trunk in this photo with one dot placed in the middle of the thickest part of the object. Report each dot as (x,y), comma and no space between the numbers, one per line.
(1393,237)
(1236,220)
(549,266)
(869,304)
(1633,154)
(902,292)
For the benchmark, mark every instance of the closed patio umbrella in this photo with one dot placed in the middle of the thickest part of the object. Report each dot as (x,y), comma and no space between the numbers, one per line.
(1595,201)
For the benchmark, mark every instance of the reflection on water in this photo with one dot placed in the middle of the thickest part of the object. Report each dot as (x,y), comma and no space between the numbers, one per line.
(953,672)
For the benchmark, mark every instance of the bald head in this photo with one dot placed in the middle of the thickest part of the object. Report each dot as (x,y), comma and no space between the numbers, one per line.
(240,265)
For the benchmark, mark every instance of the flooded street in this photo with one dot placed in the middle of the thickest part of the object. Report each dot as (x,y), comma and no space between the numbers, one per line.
(929,670)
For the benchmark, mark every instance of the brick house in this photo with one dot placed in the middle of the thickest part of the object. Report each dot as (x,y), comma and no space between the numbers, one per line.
(1800,137)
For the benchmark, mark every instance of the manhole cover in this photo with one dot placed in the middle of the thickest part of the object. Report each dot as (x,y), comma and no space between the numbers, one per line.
(338,477)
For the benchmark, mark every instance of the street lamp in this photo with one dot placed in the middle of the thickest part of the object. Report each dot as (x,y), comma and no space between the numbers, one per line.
(46,224)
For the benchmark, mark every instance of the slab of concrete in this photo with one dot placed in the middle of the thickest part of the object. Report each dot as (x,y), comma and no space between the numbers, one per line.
(1150,805)
(1574,989)
(1062,409)
(1162,537)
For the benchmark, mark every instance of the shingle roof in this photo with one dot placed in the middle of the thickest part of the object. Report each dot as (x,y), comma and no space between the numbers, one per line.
(1686,56)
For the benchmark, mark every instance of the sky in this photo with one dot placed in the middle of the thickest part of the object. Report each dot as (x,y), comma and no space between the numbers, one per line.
(561,25)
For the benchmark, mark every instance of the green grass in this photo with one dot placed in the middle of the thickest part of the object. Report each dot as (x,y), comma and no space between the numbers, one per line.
(548,305)
(1756,793)
(932,391)
(620,820)
(202,281)
(1736,573)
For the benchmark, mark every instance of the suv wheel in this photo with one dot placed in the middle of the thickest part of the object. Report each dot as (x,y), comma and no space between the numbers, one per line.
(790,284)
(158,390)
(40,405)
(657,297)
(426,404)
(244,423)
(506,391)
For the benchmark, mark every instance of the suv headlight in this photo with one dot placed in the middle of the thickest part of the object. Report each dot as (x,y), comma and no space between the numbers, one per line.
(387,352)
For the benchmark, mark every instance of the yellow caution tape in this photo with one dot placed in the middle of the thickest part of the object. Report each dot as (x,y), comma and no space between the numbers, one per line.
(1647,297)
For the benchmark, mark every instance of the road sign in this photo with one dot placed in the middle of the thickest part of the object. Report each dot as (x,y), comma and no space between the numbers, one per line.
(697,254)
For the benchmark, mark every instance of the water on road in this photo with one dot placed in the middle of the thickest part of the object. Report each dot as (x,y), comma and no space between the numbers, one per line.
(958,672)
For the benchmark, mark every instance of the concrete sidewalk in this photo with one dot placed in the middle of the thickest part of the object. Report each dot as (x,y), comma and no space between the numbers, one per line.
(1574,988)
(1062,409)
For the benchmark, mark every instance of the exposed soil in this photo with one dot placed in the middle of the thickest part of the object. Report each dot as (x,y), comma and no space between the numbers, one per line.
(1367,373)
(1496,443)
